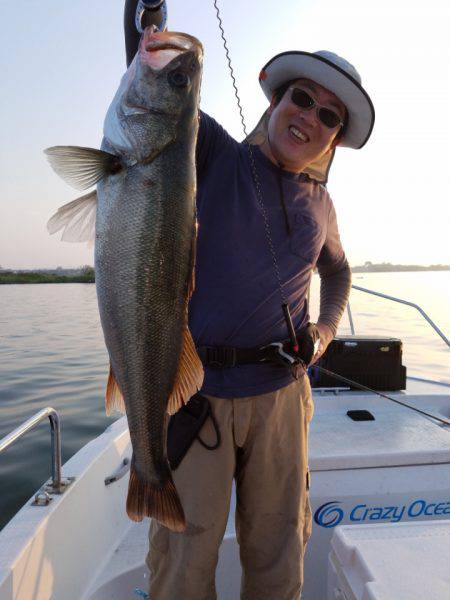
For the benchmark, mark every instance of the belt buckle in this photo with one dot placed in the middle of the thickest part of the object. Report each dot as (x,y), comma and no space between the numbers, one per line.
(281,355)
(221,358)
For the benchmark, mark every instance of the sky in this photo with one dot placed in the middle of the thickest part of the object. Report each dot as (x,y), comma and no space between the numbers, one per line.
(61,63)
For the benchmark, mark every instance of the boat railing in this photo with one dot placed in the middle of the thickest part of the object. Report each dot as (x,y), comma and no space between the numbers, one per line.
(399,300)
(58,485)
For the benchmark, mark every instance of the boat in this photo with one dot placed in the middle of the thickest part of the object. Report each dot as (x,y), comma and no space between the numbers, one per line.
(74,541)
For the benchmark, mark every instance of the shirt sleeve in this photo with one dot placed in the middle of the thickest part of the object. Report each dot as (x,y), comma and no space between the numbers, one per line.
(335,276)
(332,256)
(212,140)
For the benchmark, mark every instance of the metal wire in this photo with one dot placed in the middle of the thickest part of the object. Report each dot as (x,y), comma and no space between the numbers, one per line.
(227,53)
(266,224)
(256,181)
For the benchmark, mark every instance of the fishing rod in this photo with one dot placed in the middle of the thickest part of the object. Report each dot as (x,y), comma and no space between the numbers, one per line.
(368,389)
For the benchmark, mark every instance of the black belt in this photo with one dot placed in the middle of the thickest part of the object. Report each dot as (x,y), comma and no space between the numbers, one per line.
(222,357)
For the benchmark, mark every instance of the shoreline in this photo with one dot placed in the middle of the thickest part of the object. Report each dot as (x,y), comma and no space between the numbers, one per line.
(87,275)
(415,269)
(39,278)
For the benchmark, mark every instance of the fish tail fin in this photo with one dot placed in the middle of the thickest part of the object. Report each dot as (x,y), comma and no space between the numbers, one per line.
(190,374)
(113,396)
(162,504)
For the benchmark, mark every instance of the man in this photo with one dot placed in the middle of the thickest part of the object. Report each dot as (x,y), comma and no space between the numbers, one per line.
(262,407)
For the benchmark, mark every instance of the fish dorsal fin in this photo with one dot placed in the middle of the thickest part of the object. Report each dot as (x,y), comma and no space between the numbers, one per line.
(82,167)
(113,398)
(76,219)
(189,377)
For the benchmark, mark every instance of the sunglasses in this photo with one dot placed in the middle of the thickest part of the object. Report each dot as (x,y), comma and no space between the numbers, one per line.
(326,116)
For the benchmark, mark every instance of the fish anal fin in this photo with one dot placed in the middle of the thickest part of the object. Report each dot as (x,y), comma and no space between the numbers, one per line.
(162,504)
(189,377)
(113,398)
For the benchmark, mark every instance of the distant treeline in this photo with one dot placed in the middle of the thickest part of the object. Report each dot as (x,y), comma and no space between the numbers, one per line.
(369,267)
(85,275)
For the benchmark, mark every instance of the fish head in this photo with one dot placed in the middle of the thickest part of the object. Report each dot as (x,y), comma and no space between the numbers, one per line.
(159,91)
(171,63)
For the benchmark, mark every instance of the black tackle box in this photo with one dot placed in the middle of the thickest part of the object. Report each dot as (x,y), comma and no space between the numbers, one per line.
(374,361)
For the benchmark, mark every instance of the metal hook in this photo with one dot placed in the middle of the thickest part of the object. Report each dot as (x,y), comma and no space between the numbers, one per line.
(144,10)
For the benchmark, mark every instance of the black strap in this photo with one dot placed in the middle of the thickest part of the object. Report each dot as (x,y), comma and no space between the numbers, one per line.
(185,426)
(223,356)
(217,430)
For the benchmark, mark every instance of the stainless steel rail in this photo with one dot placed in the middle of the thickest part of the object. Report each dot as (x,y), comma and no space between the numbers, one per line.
(350,318)
(416,306)
(429,381)
(58,484)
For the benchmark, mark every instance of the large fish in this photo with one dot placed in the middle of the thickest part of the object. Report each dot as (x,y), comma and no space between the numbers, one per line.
(145,234)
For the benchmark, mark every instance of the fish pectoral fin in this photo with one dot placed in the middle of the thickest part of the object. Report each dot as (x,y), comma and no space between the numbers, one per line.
(82,167)
(160,503)
(113,398)
(189,377)
(76,219)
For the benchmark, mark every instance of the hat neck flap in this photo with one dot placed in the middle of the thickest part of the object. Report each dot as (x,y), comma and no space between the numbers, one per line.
(317,170)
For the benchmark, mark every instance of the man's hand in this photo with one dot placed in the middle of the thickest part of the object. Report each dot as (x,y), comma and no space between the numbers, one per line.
(326,336)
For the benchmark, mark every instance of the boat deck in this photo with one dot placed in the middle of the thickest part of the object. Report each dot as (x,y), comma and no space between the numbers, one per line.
(83,546)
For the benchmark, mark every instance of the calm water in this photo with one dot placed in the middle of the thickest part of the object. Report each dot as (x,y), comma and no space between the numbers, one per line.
(52,354)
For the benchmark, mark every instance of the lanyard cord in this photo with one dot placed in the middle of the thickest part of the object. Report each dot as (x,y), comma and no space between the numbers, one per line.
(259,195)
(282,200)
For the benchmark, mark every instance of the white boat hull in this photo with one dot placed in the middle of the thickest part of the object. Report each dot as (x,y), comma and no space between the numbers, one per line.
(83,546)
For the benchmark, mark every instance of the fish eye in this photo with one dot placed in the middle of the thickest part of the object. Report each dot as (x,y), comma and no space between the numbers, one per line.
(179,78)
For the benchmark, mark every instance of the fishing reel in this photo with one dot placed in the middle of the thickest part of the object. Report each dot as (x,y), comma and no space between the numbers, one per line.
(151,12)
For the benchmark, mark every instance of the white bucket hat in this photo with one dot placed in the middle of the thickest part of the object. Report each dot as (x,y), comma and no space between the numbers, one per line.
(333,73)
(336,75)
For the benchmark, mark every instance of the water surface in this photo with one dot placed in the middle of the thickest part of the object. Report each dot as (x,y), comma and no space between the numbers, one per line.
(52,354)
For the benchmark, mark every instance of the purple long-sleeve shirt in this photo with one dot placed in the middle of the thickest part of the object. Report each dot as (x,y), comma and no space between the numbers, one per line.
(237,300)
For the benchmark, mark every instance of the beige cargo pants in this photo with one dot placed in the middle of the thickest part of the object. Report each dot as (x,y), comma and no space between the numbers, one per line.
(265,448)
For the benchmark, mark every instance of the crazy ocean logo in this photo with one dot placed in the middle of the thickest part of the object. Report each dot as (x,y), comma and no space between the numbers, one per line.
(331,514)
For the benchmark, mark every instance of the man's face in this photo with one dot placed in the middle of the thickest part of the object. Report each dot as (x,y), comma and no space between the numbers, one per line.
(297,136)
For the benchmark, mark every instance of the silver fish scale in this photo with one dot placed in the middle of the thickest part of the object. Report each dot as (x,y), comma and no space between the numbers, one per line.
(144,235)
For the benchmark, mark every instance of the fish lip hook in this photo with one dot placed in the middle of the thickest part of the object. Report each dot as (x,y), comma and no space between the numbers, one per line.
(149,6)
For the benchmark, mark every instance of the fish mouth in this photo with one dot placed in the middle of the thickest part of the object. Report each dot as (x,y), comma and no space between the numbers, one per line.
(157,45)
(159,48)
